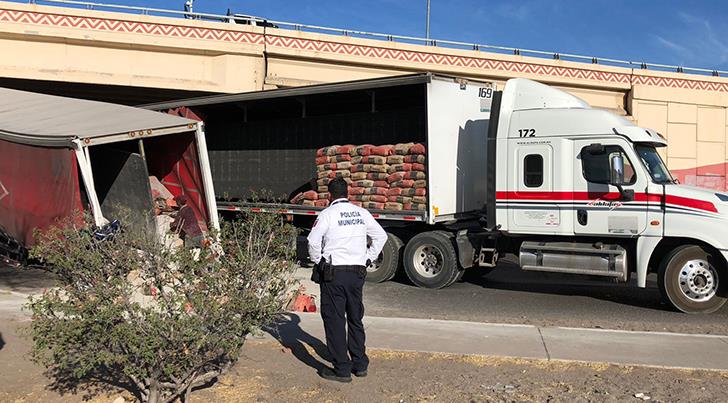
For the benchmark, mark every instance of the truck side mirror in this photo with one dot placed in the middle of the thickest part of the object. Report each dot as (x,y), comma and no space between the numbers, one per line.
(616,164)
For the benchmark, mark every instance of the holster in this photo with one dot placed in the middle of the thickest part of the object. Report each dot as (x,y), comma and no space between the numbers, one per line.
(327,272)
(323,272)
(316,274)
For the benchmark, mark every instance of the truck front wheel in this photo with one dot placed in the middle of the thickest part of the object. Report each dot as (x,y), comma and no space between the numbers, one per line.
(385,267)
(430,260)
(690,279)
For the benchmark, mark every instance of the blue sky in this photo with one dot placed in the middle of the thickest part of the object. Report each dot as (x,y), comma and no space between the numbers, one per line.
(688,33)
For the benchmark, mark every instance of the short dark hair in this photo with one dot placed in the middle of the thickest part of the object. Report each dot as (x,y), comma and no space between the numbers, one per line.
(338,188)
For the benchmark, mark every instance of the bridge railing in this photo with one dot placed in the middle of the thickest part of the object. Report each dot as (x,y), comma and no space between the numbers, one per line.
(252,20)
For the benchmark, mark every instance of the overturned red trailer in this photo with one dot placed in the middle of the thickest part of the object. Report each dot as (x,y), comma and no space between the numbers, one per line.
(59,155)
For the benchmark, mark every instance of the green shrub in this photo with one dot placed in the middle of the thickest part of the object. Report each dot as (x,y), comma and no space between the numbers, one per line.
(158,321)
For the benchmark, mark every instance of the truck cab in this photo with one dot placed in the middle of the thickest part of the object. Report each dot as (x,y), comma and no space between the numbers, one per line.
(585,191)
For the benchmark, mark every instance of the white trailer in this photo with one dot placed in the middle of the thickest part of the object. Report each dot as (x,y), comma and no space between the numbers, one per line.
(529,170)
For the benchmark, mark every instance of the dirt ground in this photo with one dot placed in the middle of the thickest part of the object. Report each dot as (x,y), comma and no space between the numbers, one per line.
(267,372)
(271,374)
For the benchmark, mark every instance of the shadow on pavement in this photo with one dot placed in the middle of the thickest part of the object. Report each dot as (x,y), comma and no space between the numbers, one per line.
(514,279)
(507,276)
(25,279)
(288,332)
(2,341)
(554,284)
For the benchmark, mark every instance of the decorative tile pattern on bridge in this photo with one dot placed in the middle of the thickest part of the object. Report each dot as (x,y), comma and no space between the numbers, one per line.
(110,25)
(179,31)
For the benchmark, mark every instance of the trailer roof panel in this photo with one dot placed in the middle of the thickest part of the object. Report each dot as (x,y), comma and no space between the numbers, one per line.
(372,83)
(53,121)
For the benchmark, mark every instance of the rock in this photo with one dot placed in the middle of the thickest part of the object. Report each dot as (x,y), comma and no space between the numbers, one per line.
(164,233)
(642,396)
(135,279)
(119,399)
(160,189)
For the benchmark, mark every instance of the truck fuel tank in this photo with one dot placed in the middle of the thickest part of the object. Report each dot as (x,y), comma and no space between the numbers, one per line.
(597,259)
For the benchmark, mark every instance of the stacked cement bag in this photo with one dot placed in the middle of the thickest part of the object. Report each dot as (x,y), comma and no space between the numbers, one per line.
(407,178)
(331,162)
(369,172)
(385,177)
(310,198)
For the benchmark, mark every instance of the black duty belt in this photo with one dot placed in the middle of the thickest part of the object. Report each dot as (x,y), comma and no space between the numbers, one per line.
(353,268)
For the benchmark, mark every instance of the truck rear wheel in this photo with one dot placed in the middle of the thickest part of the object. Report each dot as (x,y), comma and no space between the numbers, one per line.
(385,267)
(430,260)
(690,279)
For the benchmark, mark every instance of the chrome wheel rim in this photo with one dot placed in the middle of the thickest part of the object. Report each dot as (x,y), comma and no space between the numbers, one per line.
(428,261)
(698,280)
(376,264)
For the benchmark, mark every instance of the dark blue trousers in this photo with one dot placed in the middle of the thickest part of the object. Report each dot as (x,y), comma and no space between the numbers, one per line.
(341,305)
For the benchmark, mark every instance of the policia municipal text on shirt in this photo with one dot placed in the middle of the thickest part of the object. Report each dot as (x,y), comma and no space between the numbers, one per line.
(338,242)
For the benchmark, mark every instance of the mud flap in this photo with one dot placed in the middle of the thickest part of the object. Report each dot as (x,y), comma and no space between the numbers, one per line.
(466,248)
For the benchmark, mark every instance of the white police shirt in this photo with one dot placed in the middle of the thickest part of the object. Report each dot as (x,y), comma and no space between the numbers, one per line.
(340,235)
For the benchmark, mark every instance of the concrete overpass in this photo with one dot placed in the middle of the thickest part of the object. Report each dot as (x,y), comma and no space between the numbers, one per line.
(131,58)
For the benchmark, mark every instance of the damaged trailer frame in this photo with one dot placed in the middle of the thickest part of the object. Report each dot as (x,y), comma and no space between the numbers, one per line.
(47,167)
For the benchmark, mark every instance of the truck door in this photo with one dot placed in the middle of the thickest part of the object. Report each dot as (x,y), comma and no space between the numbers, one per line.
(532,206)
(601,208)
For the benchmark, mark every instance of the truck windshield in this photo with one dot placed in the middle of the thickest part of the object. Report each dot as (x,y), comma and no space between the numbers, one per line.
(654,164)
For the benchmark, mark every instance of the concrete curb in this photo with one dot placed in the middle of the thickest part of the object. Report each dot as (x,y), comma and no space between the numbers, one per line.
(620,347)
(650,349)
(14,293)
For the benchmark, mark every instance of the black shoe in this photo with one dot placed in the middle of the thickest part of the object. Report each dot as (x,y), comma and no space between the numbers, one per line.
(359,374)
(329,375)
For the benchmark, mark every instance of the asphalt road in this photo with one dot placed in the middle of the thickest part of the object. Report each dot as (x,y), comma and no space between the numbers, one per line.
(509,295)
(506,295)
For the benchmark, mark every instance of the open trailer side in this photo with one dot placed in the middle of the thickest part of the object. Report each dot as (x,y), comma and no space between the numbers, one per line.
(262,147)
(62,155)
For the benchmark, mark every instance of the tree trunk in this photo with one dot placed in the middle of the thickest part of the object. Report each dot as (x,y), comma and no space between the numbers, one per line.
(154,393)
(186,395)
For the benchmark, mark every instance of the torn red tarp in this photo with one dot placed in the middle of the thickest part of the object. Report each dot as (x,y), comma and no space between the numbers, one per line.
(38,185)
(173,159)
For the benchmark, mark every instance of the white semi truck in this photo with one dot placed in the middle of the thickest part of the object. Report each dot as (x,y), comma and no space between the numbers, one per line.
(530,170)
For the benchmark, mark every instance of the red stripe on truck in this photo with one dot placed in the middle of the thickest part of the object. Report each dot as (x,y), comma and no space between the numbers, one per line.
(567,196)
(692,203)
(584,196)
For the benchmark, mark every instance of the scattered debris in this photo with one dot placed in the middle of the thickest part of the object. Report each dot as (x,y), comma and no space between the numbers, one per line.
(304,303)
(500,388)
(642,396)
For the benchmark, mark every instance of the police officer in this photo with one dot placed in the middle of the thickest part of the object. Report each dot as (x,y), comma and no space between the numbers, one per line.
(339,237)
